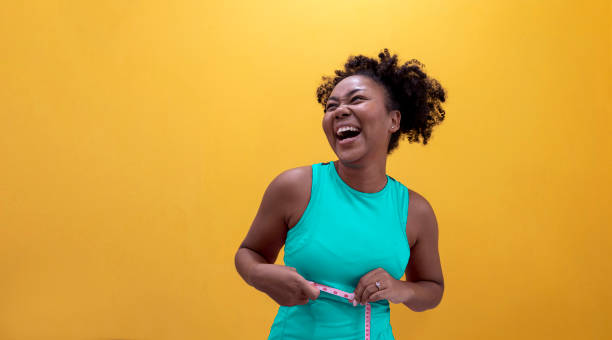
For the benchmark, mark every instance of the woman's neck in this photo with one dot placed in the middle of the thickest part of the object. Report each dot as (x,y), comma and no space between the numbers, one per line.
(370,178)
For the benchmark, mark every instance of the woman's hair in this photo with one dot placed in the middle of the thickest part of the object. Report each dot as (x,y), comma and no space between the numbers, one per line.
(417,96)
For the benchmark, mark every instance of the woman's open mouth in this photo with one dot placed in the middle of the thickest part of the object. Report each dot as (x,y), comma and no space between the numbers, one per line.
(348,136)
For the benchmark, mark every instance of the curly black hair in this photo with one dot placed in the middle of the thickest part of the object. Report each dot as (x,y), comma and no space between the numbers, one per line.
(409,90)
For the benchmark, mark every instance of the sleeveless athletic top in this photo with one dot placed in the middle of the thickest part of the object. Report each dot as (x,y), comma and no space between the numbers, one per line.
(342,235)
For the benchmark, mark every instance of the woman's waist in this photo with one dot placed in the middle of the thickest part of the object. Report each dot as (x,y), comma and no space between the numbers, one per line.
(343,294)
(378,305)
(330,309)
(331,319)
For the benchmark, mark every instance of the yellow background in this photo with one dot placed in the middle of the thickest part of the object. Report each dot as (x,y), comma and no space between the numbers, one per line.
(137,138)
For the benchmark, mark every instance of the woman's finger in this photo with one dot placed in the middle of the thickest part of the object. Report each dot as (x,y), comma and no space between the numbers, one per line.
(311,291)
(369,290)
(380,295)
(365,281)
(359,289)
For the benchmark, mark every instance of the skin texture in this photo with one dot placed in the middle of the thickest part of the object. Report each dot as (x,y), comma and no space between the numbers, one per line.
(358,100)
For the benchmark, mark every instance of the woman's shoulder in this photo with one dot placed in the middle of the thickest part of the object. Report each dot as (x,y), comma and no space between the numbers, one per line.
(420,211)
(293,183)
(417,203)
(415,198)
(420,216)
(298,175)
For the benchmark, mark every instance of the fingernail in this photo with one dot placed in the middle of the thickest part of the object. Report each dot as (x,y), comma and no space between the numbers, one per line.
(354,303)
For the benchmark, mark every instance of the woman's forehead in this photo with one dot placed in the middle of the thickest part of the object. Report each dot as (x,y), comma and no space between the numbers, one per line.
(349,84)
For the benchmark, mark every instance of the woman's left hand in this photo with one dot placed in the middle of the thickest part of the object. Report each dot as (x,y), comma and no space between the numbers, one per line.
(390,288)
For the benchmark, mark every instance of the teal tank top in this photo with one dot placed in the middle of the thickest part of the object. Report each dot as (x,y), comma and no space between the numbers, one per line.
(342,235)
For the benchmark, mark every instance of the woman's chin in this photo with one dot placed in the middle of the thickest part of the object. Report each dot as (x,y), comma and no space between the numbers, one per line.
(349,152)
(349,156)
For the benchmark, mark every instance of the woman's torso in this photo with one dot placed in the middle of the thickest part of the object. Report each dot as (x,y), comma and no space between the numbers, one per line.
(338,235)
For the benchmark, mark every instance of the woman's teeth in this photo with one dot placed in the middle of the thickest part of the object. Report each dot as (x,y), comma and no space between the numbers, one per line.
(347,132)
(346,128)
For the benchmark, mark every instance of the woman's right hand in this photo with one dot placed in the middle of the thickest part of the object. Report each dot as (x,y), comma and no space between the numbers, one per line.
(283,284)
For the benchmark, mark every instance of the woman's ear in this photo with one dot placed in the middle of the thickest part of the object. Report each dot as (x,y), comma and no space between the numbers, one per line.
(396,118)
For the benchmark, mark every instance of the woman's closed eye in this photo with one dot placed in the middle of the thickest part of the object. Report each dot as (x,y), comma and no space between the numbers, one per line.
(333,106)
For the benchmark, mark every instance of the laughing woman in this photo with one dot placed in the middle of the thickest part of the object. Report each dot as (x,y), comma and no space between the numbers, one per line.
(351,231)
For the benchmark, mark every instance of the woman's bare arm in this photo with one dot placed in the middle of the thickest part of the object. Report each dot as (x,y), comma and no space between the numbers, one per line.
(268,230)
(424,271)
(256,255)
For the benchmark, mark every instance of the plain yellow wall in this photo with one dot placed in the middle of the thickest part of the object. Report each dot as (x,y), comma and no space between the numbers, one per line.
(137,139)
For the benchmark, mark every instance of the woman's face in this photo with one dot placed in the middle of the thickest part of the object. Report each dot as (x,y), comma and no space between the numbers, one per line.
(359,101)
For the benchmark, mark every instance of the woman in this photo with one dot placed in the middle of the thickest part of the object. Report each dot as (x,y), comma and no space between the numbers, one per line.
(350,231)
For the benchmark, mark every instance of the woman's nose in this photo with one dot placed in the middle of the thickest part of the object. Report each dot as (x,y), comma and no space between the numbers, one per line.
(342,110)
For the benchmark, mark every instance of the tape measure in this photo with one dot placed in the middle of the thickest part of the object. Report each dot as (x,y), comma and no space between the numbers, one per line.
(348,297)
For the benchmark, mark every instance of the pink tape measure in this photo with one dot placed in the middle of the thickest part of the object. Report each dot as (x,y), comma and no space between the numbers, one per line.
(348,297)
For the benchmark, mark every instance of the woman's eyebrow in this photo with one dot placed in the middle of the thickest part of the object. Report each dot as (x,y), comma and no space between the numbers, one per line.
(348,94)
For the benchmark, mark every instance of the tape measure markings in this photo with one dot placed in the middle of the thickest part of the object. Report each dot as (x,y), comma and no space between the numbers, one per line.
(348,296)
